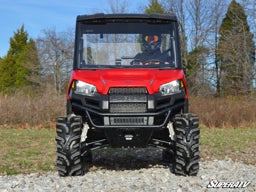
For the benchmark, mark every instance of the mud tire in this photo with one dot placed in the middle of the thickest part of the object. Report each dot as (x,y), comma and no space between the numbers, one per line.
(186,144)
(69,161)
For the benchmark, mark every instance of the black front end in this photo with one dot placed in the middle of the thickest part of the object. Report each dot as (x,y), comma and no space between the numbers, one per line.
(127,116)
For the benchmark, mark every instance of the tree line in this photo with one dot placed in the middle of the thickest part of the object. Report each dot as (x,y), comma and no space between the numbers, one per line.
(217,43)
(218,46)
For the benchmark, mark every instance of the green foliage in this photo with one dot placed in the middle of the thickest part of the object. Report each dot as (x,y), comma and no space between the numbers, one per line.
(236,52)
(194,70)
(7,77)
(155,7)
(196,57)
(20,63)
(235,16)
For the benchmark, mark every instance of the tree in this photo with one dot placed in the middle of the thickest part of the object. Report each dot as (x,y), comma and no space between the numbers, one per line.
(196,72)
(56,57)
(155,7)
(236,51)
(250,9)
(194,33)
(217,16)
(20,64)
(177,7)
(118,6)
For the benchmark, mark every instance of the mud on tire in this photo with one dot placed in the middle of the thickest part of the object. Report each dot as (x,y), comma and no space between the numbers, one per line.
(186,144)
(68,145)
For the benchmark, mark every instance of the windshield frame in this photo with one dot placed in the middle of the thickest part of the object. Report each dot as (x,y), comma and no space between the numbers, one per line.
(90,28)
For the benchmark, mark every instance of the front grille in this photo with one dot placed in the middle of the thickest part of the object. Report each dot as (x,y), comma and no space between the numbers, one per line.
(128,107)
(127,100)
(128,120)
(128,90)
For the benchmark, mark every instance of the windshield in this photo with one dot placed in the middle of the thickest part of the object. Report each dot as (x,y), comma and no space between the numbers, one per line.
(120,45)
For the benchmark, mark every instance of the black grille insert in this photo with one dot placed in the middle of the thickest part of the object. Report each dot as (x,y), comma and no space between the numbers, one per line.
(128,120)
(127,100)
(128,107)
(128,90)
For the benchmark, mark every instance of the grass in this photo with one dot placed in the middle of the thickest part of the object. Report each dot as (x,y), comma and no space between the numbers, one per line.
(33,150)
(236,144)
(25,151)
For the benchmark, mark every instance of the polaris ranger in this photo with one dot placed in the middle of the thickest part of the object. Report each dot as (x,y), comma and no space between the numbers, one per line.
(127,89)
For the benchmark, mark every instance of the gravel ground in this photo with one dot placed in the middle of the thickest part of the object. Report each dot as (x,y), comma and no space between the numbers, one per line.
(127,173)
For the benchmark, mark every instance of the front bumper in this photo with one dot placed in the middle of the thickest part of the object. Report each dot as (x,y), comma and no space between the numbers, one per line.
(127,110)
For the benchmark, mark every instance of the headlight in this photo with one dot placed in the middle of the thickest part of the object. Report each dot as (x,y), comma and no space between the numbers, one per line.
(83,88)
(171,88)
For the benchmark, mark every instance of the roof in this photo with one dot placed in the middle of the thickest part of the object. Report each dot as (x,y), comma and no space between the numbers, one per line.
(109,17)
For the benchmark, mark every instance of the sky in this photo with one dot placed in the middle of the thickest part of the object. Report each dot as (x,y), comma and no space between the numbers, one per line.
(39,15)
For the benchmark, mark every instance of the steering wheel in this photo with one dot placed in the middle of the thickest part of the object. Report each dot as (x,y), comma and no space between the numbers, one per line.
(152,62)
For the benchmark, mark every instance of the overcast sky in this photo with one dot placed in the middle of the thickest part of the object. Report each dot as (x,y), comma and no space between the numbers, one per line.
(37,15)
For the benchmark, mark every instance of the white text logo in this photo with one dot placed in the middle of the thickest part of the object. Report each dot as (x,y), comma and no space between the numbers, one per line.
(225,184)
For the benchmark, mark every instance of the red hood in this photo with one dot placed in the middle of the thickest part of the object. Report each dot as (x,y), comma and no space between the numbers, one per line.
(103,79)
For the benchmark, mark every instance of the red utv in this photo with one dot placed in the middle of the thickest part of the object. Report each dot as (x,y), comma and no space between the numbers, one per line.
(127,89)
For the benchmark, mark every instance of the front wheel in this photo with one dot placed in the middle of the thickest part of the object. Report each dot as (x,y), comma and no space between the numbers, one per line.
(186,144)
(69,161)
